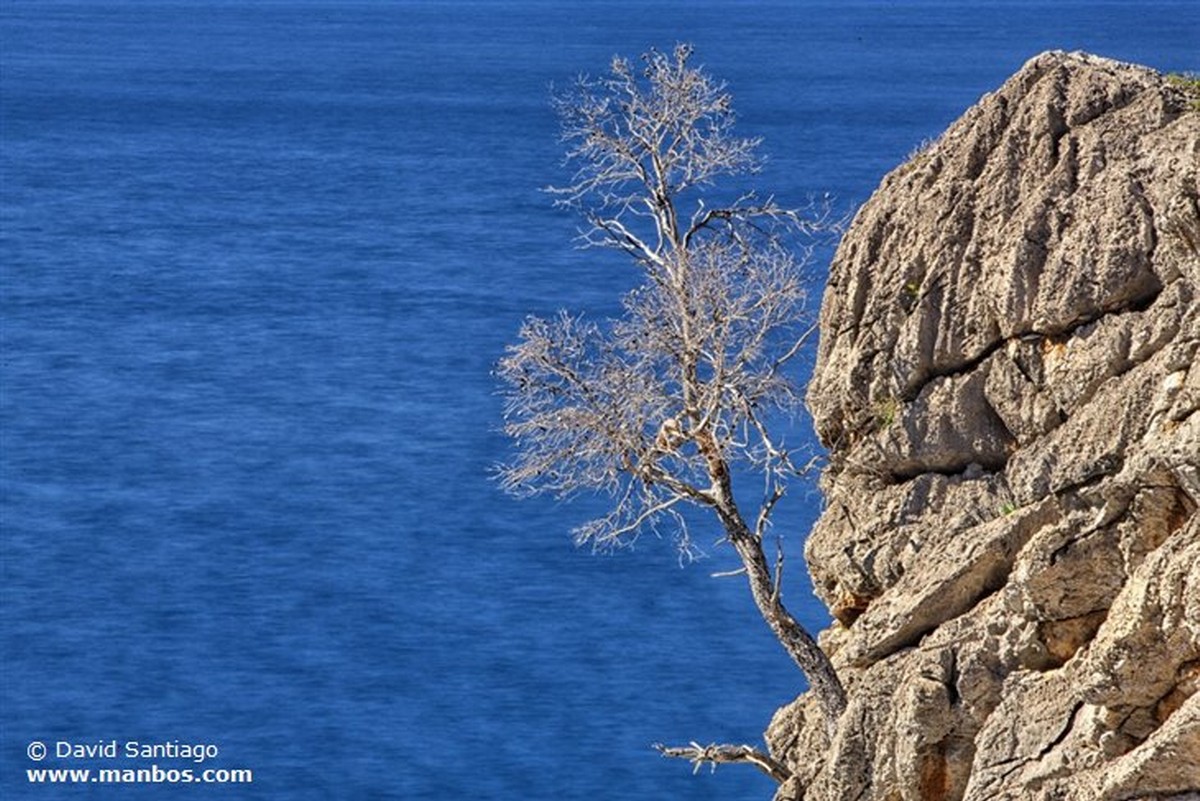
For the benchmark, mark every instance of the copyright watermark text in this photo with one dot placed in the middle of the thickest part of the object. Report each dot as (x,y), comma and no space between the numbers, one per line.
(127,763)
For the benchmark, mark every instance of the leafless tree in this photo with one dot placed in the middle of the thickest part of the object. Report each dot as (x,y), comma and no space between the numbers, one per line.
(665,406)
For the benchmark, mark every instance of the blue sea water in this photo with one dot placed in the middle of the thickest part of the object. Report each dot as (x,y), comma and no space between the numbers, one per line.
(258,260)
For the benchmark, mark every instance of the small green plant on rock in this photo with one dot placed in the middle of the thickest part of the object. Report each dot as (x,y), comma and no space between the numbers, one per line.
(1189,84)
(887,411)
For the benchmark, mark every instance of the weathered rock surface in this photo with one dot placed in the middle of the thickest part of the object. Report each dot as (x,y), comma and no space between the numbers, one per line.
(1008,383)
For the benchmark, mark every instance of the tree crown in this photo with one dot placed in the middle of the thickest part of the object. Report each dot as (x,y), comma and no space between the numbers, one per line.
(656,406)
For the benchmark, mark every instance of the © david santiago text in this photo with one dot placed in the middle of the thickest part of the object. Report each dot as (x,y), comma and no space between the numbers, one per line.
(132,749)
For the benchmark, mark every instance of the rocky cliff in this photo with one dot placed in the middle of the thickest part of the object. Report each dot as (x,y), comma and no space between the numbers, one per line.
(1007,384)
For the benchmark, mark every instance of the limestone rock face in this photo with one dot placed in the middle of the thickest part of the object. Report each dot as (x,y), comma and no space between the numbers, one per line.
(1008,383)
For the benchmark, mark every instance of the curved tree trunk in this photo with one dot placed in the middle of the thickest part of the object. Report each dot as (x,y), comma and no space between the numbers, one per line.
(796,640)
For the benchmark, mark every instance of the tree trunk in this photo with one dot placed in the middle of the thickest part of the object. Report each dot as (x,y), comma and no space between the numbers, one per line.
(796,640)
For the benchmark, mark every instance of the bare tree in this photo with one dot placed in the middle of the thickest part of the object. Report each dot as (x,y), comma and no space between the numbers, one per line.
(663,407)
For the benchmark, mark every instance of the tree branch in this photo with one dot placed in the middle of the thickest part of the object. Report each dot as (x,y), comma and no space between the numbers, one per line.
(764,512)
(715,754)
(796,346)
(612,232)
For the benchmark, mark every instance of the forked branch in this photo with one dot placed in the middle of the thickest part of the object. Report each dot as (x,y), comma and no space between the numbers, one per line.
(714,754)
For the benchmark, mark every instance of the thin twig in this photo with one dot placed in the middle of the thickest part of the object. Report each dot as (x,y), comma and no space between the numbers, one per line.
(799,343)
(778,570)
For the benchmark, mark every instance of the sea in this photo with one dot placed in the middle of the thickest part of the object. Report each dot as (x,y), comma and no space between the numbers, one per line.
(259,260)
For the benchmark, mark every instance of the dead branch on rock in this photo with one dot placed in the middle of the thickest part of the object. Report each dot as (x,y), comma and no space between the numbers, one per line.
(714,754)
